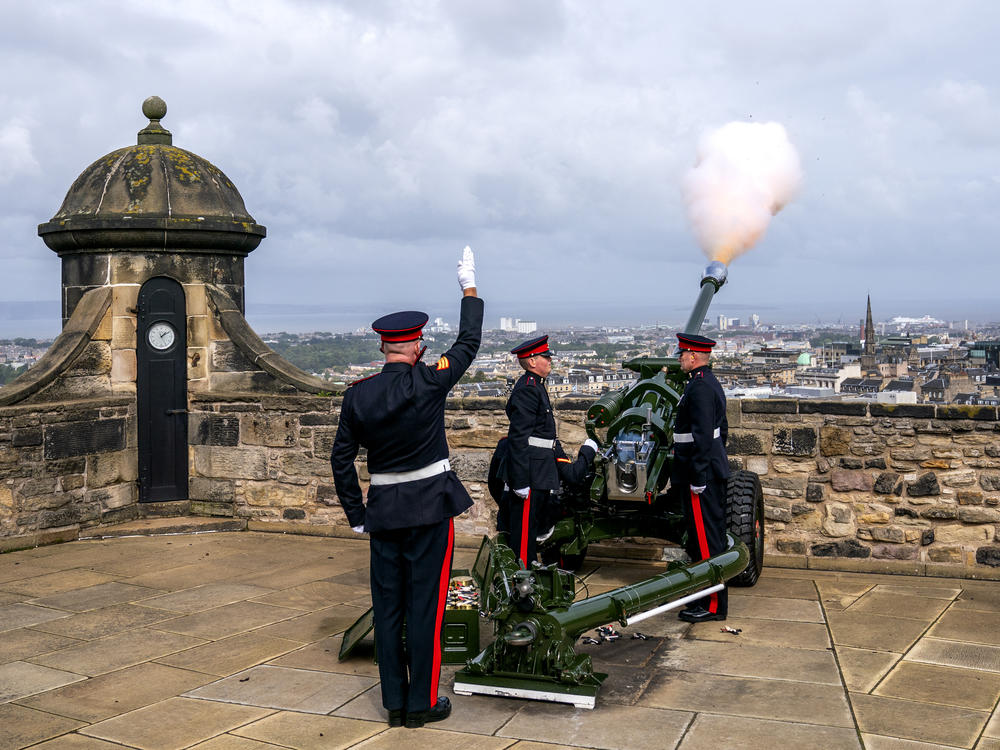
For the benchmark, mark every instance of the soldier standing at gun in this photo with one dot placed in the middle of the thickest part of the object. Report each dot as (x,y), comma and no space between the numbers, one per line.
(530,471)
(398,415)
(700,467)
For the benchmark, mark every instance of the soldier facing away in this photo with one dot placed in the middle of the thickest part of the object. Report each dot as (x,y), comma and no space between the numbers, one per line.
(398,416)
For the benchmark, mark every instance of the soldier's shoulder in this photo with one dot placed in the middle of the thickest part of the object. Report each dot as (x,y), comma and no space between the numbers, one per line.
(362,380)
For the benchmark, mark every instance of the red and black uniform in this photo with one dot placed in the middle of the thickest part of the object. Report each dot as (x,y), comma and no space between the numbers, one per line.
(700,434)
(398,416)
(531,462)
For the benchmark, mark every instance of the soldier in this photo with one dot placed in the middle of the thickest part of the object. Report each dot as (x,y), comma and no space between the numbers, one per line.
(700,466)
(398,416)
(530,471)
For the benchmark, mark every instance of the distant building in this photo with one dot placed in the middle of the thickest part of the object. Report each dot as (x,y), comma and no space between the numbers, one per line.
(526,326)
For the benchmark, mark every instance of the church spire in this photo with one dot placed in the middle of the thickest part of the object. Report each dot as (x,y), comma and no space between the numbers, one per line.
(869,329)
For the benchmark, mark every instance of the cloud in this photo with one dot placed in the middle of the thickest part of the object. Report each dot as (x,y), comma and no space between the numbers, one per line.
(17,157)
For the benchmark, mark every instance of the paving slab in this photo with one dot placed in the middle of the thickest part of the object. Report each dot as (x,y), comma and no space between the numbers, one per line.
(899,605)
(56,582)
(748,660)
(231,655)
(710,732)
(881,742)
(7,597)
(180,578)
(433,739)
(927,722)
(76,742)
(608,726)
(20,726)
(776,608)
(970,626)
(25,643)
(930,683)
(96,597)
(227,620)
(174,724)
(931,592)
(324,655)
(15,616)
(984,598)
(20,678)
(116,652)
(290,689)
(207,596)
(785,633)
(782,700)
(315,625)
(14,566)
(875,632)
(232,742)
(99,623)
(768,585)
(862,669)
(314,595)
(114,693)
(956,654)
(297,575)
(308,731)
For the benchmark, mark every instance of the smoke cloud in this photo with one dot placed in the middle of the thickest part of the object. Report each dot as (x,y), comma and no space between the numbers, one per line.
(744,174)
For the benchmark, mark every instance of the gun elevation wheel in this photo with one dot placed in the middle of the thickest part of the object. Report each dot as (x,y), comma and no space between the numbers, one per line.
(745,521)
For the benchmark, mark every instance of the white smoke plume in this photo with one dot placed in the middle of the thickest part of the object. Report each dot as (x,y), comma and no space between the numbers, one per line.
(745,173)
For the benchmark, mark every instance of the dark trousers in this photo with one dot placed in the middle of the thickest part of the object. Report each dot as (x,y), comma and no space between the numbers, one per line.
(410,570)
(521,523)
(705,515)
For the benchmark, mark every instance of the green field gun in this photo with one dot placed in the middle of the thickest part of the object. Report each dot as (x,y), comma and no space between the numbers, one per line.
(626,495)
(537,621)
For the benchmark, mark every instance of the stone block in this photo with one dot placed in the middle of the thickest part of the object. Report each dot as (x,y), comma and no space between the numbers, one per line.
(230,463)
(318,418)
(794,485)
(211,490)
(963,478)
(790,546)
(297,464)
(69,515)
(978,514)
(774,513)
(26,436)
(988,556)
(814,493)
(918,411)
(981,413)
(471,466)
(989,482)
(206,428)
(875,463)
(925,485)
(226,357)
(839,521)
(745,443)
(95,359)
(940,512)
(326,494)
(794,441)
(963,535)
(916,453)
(69,482)
(280,431)
(323,441)
(476,438)
(276,494)
(115,496)
(902,511)
(843,480)
(850,548)
(887,483)
(83,438)
(895,552)
(39,486)
(757,465)
(851,463)
(258,381)
(197,363)
(769,406)
(936,463)
(123,366)
(945,554)
(842,408)
(834,441)
(122,332)
(104,469)
(893,534)
(969,497)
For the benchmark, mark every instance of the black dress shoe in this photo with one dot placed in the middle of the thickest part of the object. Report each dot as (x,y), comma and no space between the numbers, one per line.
(699,614)
(396,717)
(438,712)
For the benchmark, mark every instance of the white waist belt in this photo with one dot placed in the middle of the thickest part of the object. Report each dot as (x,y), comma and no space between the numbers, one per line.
(687,437)
(542,442)
(398,477)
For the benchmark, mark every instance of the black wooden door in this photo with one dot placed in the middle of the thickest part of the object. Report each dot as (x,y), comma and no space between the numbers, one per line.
(161,391)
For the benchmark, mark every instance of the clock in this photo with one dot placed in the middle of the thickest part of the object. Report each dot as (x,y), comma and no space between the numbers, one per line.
(161,336)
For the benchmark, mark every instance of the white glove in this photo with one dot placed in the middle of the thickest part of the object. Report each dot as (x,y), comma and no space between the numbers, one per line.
(523,492)
(359,529)
(588,443)
(467,269)
(698,489)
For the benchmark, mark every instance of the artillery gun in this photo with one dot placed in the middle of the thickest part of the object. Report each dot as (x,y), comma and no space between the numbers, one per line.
(625,496)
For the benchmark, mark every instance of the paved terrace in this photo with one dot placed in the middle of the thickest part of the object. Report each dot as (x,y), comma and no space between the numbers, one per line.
(229,641)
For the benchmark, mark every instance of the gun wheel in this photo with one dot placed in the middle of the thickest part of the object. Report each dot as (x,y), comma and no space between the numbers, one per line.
(745,521)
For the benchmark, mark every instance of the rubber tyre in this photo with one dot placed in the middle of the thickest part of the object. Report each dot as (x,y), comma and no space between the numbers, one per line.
(745,521)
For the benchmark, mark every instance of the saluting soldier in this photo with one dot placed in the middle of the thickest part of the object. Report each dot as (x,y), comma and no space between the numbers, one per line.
(530,471)
(700,466)
(398,416)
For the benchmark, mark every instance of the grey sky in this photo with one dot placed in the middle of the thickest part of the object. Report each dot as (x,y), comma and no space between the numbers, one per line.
(375,139)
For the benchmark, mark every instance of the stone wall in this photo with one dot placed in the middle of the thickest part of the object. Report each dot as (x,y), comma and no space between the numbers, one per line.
(65,466)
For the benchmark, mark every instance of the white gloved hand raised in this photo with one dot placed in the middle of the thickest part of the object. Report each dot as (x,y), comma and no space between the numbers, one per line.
(698,489)
(523,492)
(588,443)
(359,529)
(467,269)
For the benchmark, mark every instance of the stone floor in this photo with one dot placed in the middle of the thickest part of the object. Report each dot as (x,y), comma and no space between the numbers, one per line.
(229,641)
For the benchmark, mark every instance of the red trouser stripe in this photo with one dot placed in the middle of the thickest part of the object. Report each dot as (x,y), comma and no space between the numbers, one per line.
(439,620)
(525,515)
(699,525)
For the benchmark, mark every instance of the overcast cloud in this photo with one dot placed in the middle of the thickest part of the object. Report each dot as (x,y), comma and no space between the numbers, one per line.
(376,138)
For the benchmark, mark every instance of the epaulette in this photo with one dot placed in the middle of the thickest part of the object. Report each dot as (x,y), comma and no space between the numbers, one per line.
(362,380)
(530,380)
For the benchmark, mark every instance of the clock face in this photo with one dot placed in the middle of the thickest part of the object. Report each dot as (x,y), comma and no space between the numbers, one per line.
(161,336)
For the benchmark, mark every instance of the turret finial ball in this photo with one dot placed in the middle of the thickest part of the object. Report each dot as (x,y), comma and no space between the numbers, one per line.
(154,108)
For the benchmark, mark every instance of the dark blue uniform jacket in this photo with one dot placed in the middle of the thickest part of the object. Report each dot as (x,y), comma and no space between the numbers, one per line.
(701,411)
(398,416)
(530,415)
